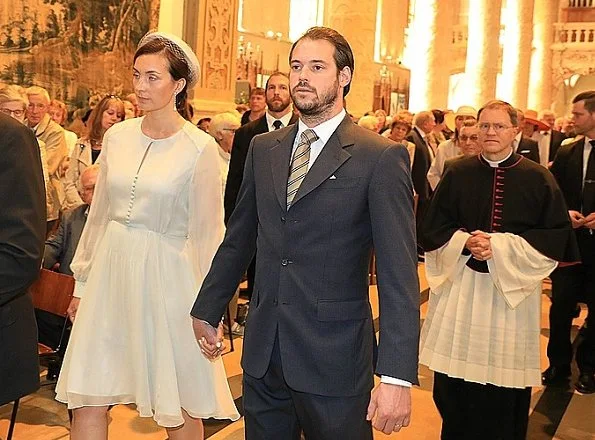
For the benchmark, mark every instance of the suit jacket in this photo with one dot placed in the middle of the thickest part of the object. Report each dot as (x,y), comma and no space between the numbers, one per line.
(528,148)
(56,151)
(239,150)
(61,246)
(567,168)
(22,231)
(556,139)
(311,284)
(421,165)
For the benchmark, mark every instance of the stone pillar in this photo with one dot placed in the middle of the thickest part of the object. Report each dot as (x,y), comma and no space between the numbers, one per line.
(516,58)
(216,47)
(483,50)
(540,85)
(428,48)
(356,21)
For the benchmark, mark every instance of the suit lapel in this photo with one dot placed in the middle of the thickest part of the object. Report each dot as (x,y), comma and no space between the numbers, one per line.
(330,159)
(280,158)
(262,126)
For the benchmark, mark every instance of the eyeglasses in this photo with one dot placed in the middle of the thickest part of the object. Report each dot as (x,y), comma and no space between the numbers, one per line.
(498,128)
(17,113)
(465,138)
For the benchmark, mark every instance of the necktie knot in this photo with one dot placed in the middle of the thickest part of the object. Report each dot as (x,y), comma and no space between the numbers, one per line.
(277,124)
(308,136)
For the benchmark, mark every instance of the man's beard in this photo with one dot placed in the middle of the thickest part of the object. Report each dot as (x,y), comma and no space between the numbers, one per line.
(278,105)
(319,103)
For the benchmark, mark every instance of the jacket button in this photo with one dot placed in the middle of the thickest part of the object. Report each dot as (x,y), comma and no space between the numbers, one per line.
(275,302)
(284,262)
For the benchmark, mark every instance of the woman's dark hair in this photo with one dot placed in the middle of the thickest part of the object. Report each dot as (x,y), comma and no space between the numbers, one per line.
(95,130)
(438,116)
(343,55)
(178,69)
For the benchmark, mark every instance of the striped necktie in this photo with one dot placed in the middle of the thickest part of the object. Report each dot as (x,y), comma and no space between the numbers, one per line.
(299,164)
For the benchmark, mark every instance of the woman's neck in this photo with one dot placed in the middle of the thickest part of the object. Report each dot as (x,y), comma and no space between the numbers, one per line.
(162,123)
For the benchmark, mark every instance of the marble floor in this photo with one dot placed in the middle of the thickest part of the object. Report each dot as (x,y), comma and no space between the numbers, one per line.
(556,413)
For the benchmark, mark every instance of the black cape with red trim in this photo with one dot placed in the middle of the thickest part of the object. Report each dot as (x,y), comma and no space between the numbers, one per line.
(519,197)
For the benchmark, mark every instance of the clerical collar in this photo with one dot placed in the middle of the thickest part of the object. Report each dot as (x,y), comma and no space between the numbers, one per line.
(496,164)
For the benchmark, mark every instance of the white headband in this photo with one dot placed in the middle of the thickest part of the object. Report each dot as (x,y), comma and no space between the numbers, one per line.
(180,48)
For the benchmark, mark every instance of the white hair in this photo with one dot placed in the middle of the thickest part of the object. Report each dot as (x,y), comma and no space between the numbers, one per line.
(36,90)
(370,122)
(220,120)
(13,93)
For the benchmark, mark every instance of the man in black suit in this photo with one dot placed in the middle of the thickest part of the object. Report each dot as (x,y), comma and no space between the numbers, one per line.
(523,145)
(316,197)
(574,169)
(554,137)
(423,123)
(279,114)
(22,231)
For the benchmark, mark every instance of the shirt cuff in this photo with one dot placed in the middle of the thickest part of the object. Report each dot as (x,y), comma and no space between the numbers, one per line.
(395,381)
(79,288)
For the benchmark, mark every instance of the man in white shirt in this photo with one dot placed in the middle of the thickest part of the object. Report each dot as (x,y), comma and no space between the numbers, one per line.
(315,197)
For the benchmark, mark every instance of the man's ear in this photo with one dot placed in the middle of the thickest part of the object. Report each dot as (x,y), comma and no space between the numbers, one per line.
(344,76)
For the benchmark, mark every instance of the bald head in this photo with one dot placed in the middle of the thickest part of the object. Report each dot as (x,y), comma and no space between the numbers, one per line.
(87,183)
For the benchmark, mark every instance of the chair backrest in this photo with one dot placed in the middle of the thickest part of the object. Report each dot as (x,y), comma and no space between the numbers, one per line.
(52,292)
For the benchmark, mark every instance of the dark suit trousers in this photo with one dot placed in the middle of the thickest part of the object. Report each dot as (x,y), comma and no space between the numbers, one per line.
(275,411)
(472,411)
(569,284)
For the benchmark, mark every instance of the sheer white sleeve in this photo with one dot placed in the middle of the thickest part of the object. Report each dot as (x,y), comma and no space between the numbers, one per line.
(444,265)
(205,228)
(517,269)
(94,227)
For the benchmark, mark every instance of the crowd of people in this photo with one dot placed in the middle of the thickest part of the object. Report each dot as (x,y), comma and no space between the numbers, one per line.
(159,219)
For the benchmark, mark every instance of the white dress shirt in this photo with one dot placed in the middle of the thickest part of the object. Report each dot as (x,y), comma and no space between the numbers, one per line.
(284,120)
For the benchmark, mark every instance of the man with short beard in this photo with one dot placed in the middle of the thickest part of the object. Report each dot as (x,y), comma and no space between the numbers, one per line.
(316,197)
(278,115)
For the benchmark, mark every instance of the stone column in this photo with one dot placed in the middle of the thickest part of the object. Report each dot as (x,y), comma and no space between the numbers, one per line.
(216,47)
(428,48)
(356,21)
(516,59)
(483,50)
(540,85)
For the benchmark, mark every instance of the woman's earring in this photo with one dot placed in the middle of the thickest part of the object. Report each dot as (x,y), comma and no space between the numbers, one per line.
(175,101)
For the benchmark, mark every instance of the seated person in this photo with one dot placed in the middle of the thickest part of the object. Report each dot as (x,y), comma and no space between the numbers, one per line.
(59,251)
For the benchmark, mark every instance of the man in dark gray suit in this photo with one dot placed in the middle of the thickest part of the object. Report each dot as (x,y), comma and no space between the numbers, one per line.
(22,230)
(315,199)
(60,249)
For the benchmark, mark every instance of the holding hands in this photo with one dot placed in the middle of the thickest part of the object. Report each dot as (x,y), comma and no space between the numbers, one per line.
(209,338)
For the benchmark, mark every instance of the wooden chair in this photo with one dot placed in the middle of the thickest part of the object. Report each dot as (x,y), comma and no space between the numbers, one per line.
(52,293)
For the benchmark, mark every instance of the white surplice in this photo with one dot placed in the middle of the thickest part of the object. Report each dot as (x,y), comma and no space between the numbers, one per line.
(484,327)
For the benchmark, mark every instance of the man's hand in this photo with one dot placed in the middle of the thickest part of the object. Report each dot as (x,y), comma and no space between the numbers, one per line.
(589,221)
(479,245)
(577,219)
(209,338)
(73,308)
(390,407)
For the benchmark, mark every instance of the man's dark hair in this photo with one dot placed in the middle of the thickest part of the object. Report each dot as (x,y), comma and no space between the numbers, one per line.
(501,105)
(266,86)
(589,98)
(343,55)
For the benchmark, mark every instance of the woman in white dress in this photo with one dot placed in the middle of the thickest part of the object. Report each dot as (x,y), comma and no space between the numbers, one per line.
(154,226)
